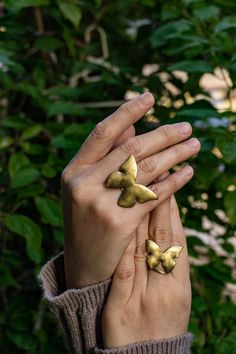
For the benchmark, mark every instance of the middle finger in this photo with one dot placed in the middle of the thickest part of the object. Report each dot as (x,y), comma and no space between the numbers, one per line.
(147,144)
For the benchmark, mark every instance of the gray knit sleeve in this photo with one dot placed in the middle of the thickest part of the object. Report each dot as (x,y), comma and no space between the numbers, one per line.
(175,345)
(79,312)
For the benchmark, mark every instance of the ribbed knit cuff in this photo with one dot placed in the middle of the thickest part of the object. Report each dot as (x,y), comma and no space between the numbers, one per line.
(52,279)
(175,345)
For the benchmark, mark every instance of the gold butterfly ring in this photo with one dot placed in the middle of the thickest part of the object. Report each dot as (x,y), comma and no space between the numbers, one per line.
(161,262)
(131,192)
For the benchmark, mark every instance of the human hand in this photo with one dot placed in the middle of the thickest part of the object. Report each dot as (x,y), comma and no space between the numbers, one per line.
(97,230)
(144,305)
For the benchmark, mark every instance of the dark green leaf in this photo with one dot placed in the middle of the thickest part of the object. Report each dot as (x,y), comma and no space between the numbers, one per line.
(230,206)
(192,67)
(50,210)
(71,12)
(22,225)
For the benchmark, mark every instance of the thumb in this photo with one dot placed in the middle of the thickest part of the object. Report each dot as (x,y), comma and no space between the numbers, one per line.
(123,278)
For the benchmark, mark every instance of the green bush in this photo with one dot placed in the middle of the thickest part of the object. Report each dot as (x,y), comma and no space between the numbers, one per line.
(65,65)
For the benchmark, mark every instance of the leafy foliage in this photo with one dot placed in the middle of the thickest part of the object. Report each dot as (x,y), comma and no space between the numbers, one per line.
(65,65)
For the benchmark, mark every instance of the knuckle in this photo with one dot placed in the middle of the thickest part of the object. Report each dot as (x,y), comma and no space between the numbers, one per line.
(172,182)
(125,274)
(165,131)
(132,146)
(140,252)
(155,188)
(141,248)
(128,108)
(175,152)
(109,218)
(160,233)
(148,165)
(102,130)
(65,177)
(78,191)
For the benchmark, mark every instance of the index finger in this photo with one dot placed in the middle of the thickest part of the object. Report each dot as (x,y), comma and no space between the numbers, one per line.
(106,132)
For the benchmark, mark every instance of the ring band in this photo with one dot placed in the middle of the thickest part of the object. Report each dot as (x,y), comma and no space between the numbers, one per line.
(131,192)
(161,262)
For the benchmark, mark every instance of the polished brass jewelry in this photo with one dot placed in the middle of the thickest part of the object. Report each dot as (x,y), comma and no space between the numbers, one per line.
(157,258)
(124,179)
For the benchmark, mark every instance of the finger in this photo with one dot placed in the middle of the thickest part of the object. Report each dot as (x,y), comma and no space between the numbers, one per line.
(165,189)
(156,164)
(101,139)
(148,144)
(141,272)
(125,136)
(123,278)
(160,226)
(153,166)
(178,238)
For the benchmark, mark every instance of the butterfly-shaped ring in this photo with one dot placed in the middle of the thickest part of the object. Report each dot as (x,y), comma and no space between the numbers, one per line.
(167,259)
(131,192)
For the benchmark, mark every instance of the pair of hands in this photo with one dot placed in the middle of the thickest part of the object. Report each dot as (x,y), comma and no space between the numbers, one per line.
(102,239)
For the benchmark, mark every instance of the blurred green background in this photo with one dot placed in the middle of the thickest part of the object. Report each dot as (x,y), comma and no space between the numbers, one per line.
(64,66)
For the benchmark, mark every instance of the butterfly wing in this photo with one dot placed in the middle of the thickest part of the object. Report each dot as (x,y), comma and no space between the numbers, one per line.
(144,194)
(127,199)
(115,180)
(129,167)
(154,251)
(169,257)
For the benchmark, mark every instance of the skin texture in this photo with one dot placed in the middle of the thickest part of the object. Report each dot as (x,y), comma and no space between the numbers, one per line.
(144,305)
(97,231)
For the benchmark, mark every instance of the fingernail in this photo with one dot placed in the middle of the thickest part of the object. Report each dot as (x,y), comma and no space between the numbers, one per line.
(193,142)
(146,98)
(188,171)
(184,127)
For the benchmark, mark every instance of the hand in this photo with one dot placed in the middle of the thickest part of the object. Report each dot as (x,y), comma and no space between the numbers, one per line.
(97,230)
(144,305)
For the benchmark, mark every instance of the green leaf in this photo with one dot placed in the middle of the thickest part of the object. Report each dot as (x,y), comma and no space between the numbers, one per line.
(22,225)
(228,150)
(230,206)
(27,3)
(47,44)
(16,163)
(15,122)
(31,191)
(48,171)
(71,12)
(50,210)
(22,340)
(197,66)
(31,132)
(232,71)
(207,12)
(6,141)
(6,278)
(172,29)
(71,108)
(225,24)
(24,177)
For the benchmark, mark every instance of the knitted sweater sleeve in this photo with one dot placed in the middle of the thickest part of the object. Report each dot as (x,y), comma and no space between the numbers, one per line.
(78,313)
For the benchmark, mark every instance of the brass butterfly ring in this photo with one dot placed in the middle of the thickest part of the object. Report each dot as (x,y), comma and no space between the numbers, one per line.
(131,192)
(161,262)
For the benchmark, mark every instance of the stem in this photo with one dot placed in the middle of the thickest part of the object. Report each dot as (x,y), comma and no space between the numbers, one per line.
(39,20)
